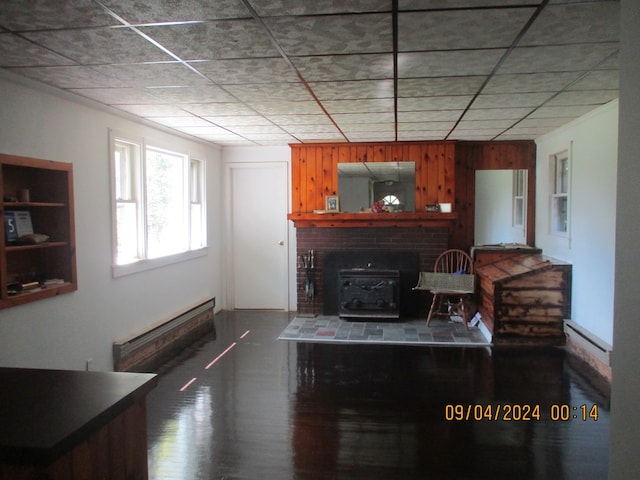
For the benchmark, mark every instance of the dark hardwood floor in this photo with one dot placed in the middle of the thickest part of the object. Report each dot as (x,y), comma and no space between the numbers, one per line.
(269,409)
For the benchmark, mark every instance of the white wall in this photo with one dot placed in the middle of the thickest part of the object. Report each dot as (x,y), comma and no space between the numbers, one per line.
(271,154)
(64,332)
(590,247)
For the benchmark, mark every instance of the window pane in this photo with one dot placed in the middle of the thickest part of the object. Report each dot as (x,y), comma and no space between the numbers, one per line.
(167,225)
(197,237)
(562,175)
(127,228)
(518,212)
(124,171)
(195,181)
(560,214)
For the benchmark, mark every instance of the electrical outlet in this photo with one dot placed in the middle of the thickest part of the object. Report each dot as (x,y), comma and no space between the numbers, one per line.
(89,364)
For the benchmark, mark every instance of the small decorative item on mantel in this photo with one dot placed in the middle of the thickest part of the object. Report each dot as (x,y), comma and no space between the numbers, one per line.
(332,203)
(432,208)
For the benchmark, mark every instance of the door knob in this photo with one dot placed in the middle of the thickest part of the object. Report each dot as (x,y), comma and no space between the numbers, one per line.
(281,242)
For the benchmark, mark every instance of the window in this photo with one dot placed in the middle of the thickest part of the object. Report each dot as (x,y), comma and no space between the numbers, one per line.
(159,211)
(519,198)
(560,171)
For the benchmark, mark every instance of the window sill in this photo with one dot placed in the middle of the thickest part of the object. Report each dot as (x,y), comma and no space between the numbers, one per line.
(150,264)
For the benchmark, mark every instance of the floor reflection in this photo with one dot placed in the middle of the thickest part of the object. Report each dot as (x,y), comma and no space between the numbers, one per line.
(275,409)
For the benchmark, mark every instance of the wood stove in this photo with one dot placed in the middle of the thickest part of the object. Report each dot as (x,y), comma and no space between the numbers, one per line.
(368,293)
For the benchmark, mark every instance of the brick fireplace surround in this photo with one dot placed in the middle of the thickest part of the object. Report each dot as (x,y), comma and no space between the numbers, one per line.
(429,242)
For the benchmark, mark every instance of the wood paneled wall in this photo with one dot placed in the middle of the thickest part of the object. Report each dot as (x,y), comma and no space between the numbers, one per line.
(445,173)
(315,174)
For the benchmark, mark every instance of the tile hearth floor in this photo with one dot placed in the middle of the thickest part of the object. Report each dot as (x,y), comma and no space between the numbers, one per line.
(410,331)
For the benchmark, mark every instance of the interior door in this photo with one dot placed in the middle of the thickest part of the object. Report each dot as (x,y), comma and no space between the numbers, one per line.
(258,237)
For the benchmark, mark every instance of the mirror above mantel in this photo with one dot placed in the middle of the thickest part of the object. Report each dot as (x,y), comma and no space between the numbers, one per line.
(360,184)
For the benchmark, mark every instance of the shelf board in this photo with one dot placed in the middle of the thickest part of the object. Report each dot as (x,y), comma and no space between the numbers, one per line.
(18,248)
(37,294)
(345,220)
(32,204)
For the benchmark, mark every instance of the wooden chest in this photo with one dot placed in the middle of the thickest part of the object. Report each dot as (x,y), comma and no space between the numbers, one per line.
(525,298)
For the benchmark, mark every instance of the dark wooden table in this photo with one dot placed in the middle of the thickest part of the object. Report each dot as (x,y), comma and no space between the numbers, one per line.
(73,424)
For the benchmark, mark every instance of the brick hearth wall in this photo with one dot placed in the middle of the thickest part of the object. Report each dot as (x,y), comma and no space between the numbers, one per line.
(428,242)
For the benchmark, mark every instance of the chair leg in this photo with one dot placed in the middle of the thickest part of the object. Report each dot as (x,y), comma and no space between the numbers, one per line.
(435,300)
(465,313)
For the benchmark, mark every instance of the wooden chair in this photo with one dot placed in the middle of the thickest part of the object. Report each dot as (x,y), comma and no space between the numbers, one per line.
(452,284)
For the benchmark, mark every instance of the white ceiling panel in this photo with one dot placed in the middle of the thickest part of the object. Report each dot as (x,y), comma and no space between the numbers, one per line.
(288,71)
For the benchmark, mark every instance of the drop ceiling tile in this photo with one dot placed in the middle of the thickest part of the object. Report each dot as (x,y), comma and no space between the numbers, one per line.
(486,28)
(69,76)
(300,119)
(268,108)
(192,94)
(586,97)
(17,52)
(250,130)
(234,121)
(304,129)
(152,74)
(430,116)
(564,111)
(471,137)
(43,14)
(271,136)
(493,124)
(345,67)
(496,113)
(431,87)
(353,89)
(588,22)
(186,121)
(532,132)
(161,110)
(274,92)
(218,39)
(117,96)
(488,133)
(426,126)
(530,82)
(218,109)
(511,100)
(203,130)
(100,45)
(334,137)
(448,64)
(317,7)
(545,122)
(434,103)
(352,128)
(361,33)
(152,11)
(247,70)
(357,118)
(596,80)
(359,106)
(564,58)
(438,4)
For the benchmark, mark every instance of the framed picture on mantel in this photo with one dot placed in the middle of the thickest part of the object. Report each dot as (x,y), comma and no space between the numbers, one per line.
(332,203)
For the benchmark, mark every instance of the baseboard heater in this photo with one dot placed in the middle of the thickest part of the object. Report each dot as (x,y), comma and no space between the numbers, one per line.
(591,344)
(146,351)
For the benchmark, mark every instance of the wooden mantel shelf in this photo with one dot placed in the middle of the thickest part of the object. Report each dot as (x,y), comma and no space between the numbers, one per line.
(346,220)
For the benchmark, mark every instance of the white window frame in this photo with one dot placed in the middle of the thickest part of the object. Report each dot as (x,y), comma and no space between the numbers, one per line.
(195,223)
(559,194)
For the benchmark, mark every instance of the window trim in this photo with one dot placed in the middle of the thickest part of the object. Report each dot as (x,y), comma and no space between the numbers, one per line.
(554,195)
(522,197)
(143,264)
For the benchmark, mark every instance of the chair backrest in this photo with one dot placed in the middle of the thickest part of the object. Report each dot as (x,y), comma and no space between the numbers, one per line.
(453,261)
